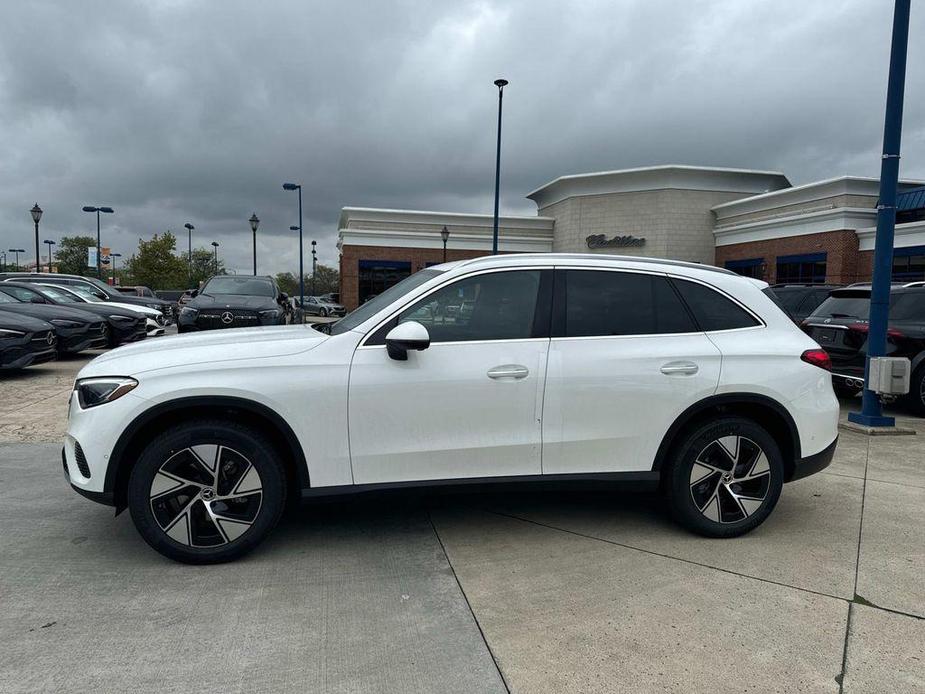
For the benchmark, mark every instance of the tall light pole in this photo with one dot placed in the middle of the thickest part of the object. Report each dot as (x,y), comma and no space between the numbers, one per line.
(36,216)
(17,251)
(215,257)
(114,256)
(871,413)
(50,243)
(314,266)
(254,224)
(298,187)
(500,84)
(3,264)
(91,208)
(445,235)
(189,253)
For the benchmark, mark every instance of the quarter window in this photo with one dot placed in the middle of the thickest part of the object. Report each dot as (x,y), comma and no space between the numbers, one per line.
(493,306)
(622,303)
(712,310)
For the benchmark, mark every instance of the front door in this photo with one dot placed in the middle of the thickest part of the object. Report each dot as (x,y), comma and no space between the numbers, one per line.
(467,406)
(626,358)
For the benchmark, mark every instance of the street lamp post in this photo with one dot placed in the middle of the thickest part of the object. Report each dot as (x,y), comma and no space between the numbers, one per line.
(500,84)
(445,235)
(189,253)
(36,212)
(314,266)
(215,257)
(254,224)
(298,187)
(114,256)
(91,208)
(17,251)
(871,413)
(3,264)
(50,243)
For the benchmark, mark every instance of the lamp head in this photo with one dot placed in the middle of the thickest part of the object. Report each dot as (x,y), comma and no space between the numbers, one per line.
(291,186)
(444,234)
(501,83)
(89,208)
(107,210)
(189,226)
(36,213)
(293,228)
(254,221)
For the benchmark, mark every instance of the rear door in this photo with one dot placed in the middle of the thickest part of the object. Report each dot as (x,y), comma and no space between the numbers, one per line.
(626,358)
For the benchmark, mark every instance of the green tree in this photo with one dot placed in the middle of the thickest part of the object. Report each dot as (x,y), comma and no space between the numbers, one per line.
(287,283)
(71,255)
(204,266)
(156,266)
(327,280)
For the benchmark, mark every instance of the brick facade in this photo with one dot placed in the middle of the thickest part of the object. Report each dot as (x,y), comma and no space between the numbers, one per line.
(844,263)
(418,257)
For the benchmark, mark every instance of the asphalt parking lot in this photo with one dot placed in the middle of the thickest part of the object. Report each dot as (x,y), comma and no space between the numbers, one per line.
(475,593)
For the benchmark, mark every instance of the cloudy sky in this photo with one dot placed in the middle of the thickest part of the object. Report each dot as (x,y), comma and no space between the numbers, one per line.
(189,110)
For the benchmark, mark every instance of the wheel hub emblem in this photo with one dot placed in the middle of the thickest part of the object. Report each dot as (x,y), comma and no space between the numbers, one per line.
(727,478)
(208,494)
(227,317)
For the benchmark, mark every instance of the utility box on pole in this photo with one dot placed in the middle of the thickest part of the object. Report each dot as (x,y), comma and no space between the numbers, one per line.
(889,375)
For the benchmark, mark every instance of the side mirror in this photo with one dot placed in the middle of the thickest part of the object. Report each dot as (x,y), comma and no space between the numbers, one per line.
(404,337)
(283,297)
(193,294)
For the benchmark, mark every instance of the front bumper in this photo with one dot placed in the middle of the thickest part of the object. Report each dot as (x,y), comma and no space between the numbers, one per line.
(804,467)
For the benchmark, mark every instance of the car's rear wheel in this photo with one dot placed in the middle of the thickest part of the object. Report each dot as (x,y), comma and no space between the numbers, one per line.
(324,313)
(916,397)
(207,492)
(724,477)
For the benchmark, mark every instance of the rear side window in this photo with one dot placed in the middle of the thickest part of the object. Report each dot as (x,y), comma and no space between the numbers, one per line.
(621,303)
(712,310)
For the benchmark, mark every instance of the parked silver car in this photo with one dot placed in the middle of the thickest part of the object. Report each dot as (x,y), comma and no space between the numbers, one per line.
(319,306)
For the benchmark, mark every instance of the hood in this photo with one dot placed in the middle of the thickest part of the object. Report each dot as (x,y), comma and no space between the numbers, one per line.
(50,312)
(209,347)
(103,310)
(17,321)
(232,301)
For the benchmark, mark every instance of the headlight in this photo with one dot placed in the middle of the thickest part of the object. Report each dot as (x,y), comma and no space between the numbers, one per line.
(96,391)
(61,323)
(122,318)
(10,333)
(270,313)
(156,307)
(188,312)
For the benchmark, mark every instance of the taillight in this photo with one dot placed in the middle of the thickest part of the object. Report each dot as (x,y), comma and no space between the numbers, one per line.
(817,357)
(865,328)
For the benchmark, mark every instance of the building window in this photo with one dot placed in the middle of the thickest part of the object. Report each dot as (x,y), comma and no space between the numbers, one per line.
(378,275)
(750,267)
(909,264)
(801,269)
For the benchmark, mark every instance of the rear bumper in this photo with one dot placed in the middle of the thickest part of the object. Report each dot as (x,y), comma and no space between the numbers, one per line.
(814,463)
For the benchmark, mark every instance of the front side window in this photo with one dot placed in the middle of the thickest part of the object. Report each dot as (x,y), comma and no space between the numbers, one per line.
(601,303)
(712,310)
(20,293)
(492,306)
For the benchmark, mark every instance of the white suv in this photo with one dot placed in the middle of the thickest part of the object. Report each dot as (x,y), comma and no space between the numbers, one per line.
(565,367)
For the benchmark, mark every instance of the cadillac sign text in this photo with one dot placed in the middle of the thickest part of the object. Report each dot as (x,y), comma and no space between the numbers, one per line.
(601,241)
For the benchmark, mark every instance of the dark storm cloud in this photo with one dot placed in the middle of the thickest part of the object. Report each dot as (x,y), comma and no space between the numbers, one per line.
(178,111)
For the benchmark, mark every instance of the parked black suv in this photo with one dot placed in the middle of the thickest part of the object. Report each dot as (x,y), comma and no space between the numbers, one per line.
(840,326)
(100,289)
(800,300)
(25,341)
(124,325)
(234,301)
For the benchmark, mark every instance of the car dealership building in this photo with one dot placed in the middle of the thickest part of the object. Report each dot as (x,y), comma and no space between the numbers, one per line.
(752,222)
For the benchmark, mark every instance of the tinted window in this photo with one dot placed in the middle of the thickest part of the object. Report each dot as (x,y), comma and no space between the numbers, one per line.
(790,298)
(376,304)
(494,306)
(712,310)
(246,286)
(622,303)
(850,305)
(20,293)
(908,306)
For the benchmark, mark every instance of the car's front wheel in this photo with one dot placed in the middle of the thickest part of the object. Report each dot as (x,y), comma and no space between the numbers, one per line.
(916,396)
(724,477)
(207,492)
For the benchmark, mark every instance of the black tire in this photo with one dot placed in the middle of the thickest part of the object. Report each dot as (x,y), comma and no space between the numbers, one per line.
(843,390)
(915,399)
(702,491)
(324,313)
(244,488)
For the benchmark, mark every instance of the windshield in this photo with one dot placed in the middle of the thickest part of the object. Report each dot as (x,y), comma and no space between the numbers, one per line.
(248,286)
(85,293)
(59,295)
(845,306)
(7,299)
(390,295)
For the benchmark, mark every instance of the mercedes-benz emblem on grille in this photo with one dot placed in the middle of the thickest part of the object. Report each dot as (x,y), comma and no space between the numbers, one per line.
(50,339)
(227,317)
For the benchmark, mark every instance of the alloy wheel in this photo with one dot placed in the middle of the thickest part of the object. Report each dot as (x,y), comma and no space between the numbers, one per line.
(730,479)
(206,495)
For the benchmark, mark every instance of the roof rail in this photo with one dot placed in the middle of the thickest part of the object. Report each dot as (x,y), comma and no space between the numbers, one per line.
(596,256)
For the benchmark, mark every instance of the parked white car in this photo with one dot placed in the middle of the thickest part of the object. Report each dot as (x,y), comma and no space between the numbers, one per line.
(154,319)
(564,368)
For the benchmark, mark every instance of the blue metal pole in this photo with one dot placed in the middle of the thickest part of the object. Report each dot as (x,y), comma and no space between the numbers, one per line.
(494,238)
(301,271)
(871,413)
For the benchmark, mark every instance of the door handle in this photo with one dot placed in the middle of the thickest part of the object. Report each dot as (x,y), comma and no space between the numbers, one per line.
(509,371)
(680,367)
